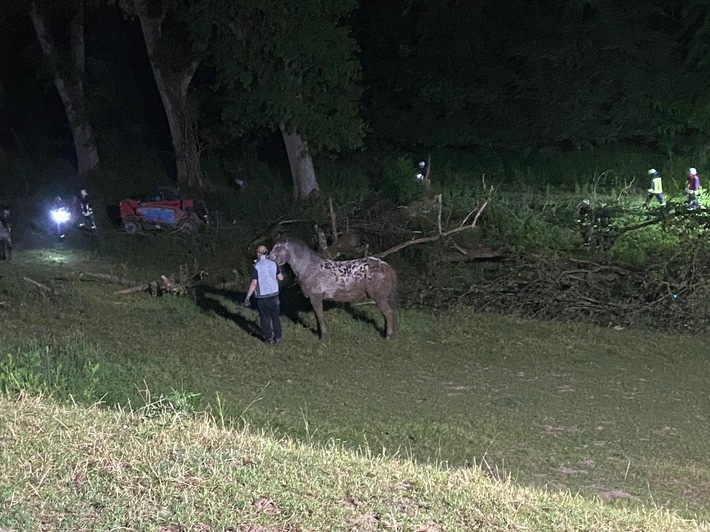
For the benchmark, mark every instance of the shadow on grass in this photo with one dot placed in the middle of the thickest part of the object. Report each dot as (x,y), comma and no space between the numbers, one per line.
(294,305)
(207,298)
(358,312)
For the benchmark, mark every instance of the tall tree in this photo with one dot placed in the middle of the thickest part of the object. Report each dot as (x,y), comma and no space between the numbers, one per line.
(290,65)
(175,54)
(59,26)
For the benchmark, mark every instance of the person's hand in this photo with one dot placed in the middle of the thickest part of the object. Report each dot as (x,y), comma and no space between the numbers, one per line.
(247,302)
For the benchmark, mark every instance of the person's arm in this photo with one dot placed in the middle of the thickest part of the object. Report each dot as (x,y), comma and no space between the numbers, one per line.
(279,273)
(252,286)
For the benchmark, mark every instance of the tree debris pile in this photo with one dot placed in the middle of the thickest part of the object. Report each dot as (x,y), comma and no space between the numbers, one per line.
(569,290)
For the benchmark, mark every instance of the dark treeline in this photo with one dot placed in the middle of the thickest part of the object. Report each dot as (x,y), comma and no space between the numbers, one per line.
(184,81)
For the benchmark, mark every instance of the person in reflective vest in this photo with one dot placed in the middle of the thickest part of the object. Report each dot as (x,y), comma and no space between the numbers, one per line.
(656,189)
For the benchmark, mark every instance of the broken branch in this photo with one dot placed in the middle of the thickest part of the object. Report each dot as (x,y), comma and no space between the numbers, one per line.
(433,238)
(42,287)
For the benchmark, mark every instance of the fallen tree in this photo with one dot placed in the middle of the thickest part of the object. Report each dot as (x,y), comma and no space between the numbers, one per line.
(164,285)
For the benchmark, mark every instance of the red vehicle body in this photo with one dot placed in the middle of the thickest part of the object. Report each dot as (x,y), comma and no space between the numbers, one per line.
(162,208)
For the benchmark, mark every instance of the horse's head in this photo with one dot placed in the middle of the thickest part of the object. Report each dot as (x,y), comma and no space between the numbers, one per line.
(281,252)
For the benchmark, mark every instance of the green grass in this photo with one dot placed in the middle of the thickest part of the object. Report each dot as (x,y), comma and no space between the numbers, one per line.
(65,467)
(614,414)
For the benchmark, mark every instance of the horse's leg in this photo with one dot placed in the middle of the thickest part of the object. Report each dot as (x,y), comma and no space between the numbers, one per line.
(317,304)
(388,311)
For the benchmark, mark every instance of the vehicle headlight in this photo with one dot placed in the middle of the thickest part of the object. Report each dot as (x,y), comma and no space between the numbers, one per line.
(60,216)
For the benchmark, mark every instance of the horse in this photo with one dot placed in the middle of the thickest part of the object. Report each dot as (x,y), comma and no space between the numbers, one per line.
(339,280)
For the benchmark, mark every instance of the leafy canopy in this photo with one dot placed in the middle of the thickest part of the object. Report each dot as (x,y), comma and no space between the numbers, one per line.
(288,62)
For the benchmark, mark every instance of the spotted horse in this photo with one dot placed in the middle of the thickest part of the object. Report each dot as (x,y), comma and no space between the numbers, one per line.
(322,279)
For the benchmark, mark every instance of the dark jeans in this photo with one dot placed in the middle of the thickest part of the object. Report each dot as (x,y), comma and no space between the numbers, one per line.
(269,310)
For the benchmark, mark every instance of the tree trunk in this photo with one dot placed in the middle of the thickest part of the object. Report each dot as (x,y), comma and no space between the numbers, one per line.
(173,84)
(69,81)
(301,163)
(173,93)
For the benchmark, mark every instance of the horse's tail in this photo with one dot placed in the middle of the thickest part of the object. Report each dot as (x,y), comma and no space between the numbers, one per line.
(392,297)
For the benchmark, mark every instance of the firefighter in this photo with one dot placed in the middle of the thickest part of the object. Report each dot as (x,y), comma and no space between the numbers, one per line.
(656,189)
(602,218)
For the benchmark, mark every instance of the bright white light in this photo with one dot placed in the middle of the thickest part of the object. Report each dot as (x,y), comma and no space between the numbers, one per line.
(60,216)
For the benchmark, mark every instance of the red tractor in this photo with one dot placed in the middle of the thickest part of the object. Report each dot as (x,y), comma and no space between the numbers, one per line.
(163,208)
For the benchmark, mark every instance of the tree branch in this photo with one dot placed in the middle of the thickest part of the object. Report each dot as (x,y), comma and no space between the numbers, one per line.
(440,235)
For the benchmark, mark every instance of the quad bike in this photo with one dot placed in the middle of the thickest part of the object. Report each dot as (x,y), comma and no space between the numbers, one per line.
(163,208)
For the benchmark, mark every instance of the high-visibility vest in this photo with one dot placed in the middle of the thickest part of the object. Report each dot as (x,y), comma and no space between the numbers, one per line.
(656,185)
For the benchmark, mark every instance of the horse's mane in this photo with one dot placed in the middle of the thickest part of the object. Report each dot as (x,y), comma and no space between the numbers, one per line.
(299,245)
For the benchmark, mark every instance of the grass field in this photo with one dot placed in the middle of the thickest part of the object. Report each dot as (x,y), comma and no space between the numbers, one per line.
(620,415)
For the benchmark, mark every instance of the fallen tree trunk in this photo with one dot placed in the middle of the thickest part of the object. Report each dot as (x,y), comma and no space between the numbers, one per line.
(165,285)
(140,288)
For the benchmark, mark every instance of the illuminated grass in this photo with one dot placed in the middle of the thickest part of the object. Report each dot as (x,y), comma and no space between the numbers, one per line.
(79,468)
(620,415)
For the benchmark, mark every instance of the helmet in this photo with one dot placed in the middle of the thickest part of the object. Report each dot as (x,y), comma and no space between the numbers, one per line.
(692,171)
(585,202)
(422,164)
(652,171)
(83,192)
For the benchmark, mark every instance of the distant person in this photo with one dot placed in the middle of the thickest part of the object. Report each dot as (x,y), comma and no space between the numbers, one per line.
(5,234)
(421,173)
(656,189)
(265,278)
(585,217)
(81,205)
(692,189)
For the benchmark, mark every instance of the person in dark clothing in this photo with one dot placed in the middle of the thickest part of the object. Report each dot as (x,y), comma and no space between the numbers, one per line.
(692,189)
(5,234)
(585,219)
(264,285)
(83,210)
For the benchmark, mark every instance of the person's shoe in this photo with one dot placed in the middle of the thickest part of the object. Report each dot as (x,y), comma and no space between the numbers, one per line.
(268,342)
(277,341)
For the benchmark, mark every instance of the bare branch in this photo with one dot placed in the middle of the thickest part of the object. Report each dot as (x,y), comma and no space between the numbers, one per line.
(433,238)
(42,287)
